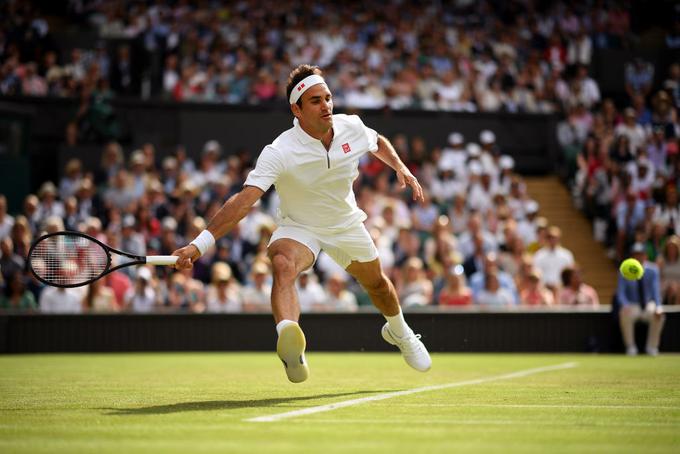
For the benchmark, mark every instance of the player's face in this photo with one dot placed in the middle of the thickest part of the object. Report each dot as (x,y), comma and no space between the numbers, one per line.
(316,112)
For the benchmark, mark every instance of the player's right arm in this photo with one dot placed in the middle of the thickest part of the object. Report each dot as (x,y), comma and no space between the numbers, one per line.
(230,214)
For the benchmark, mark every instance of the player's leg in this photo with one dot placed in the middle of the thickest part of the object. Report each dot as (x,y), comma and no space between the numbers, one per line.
(627,317)
(384,296)
(289,258)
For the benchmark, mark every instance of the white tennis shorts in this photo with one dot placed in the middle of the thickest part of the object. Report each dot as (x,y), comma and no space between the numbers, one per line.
(354,244)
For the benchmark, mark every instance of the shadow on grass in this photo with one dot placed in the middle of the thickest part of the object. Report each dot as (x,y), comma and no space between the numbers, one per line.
(209,405)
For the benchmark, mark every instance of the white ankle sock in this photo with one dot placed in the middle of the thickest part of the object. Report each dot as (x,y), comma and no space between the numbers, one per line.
(282,324)
(397,324)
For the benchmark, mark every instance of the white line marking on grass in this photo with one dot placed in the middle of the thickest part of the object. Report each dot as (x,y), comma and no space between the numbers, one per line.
(363,400)
(568,406)
(488,422)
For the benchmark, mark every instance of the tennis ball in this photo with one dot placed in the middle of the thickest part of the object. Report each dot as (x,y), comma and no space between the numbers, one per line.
(631,269)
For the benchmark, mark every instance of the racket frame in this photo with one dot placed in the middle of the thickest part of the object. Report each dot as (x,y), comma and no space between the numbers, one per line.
(136,259)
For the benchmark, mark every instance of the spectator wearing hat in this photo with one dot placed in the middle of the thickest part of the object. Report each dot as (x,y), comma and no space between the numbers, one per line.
(131,241)
(211,168)
(551,259)
(142,297)
(640,300)
(169,236)
(256,294)
(489,151)
(453,155)
(224,293)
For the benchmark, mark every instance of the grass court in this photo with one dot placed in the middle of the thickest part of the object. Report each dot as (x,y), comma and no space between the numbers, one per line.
(203,402)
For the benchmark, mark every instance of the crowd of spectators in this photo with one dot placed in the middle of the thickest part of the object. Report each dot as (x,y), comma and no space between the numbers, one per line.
(520,56)
(476,239)
(626,171)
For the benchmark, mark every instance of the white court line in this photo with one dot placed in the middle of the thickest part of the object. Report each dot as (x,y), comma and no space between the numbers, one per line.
(362,400)
(567,406)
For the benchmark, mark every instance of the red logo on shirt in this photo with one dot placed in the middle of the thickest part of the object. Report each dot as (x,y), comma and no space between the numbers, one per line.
(346,148)
(301,87)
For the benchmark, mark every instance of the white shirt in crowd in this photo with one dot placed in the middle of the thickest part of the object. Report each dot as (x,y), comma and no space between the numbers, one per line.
(54,300)
(315,185)
(141,302)
(551,262)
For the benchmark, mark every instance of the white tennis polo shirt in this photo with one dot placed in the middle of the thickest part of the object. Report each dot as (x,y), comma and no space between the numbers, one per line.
(315,185)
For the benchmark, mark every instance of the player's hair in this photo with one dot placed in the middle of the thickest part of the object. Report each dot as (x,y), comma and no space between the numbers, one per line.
(297,75)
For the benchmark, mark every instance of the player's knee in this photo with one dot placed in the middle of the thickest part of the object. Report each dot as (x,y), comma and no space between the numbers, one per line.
(378,286)
(283,268)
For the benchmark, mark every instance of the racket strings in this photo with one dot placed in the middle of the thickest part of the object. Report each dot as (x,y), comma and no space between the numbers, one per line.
(68,260)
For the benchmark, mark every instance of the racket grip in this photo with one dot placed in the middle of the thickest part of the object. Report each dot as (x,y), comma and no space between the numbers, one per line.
(161,259)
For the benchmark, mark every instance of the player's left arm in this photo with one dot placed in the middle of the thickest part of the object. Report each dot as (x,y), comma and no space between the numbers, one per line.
(387,154)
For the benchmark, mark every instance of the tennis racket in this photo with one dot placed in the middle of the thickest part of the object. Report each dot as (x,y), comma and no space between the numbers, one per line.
(73,259)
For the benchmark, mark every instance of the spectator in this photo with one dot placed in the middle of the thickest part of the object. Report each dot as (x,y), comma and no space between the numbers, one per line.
(56,300)
(640,300)
(669,264)
(551,259)
(16,296)
(311,295)
(632,130)
(535,293)
(339,299)
(478,280)
(6,221)
(257,293)
(223,294)
(455,291)
(574,292)
(184,293)
(493,295)
(414,288)
(639,77)
(142,297)
(10,262)
(99,298)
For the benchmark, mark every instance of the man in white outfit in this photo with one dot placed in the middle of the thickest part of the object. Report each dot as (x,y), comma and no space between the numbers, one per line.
(313,166)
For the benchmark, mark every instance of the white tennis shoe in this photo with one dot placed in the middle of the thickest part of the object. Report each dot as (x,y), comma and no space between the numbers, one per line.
(291,350)
(412,349)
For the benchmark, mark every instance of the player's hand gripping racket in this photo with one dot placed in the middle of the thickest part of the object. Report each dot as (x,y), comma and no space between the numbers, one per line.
(73,259)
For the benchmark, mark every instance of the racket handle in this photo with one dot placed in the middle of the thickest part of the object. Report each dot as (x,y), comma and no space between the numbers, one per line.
(161,259)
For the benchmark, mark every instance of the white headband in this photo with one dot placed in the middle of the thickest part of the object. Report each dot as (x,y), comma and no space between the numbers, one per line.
(303,86)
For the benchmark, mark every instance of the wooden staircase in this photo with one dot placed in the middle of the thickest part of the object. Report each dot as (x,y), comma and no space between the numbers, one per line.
(577,233)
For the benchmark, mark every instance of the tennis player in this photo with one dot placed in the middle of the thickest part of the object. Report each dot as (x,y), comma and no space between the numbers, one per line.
(313,165)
